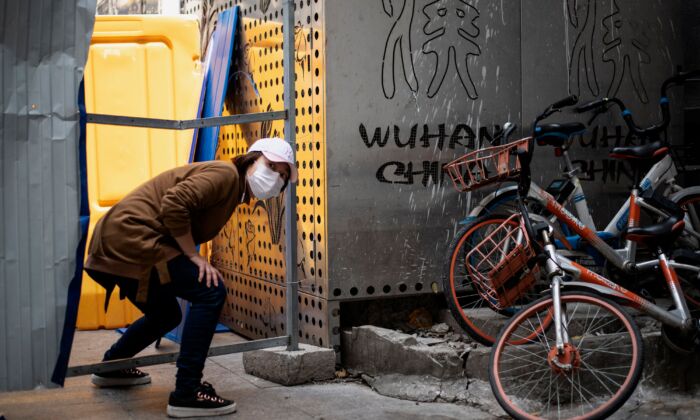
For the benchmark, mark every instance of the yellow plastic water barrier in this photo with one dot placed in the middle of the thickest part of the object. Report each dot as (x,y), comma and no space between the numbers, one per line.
(142,66)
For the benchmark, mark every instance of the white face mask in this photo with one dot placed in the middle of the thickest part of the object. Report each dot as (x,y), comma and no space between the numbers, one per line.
(264,182)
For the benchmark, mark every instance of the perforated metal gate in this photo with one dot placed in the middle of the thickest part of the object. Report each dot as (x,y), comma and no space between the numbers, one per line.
(249,250)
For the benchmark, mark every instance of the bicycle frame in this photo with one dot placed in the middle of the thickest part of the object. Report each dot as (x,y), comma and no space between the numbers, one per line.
(557,266)
(591,236)
(662,173)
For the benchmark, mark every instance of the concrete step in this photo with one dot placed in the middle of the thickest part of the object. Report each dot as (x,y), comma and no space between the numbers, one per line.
(376,351)
(496,321)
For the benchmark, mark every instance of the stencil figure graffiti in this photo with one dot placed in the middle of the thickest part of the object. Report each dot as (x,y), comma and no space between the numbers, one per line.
(266,130)
(398,48)
(582,16)
(274,207)
(451,31)
(451,41)
(301,48)
(250,241)
(626,45)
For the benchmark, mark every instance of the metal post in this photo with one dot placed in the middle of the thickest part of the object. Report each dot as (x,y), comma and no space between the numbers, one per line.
(290,196)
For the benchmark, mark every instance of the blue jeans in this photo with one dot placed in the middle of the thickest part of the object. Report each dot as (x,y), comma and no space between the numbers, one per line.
(162,314)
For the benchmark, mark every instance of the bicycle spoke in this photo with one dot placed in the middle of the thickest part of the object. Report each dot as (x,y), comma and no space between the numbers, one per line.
(526,383)
(610,352)
(584,335)
(526,373)
(598,378)
(534,387)
(528,352)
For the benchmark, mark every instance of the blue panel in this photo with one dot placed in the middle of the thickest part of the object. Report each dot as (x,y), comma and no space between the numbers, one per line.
(73,301)
(217,82)
(207,63)
(211,104)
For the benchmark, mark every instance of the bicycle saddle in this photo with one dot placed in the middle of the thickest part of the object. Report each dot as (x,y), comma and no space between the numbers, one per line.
(650,151)
(657,235)
(557,134)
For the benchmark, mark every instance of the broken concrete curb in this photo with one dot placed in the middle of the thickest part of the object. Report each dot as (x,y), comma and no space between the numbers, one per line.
(284,367)
(374,351)
(378,351)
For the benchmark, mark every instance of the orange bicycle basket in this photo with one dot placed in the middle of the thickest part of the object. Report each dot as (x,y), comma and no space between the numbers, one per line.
(486,166)
(498,265)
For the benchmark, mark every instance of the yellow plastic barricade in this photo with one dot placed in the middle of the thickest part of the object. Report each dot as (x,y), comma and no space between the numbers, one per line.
(143,66)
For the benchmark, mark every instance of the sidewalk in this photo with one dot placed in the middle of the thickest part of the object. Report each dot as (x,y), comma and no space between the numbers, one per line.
(256,398)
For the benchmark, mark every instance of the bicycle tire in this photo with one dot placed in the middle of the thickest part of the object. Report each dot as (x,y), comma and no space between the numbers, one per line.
(514,405)
(686,202)
(687,198)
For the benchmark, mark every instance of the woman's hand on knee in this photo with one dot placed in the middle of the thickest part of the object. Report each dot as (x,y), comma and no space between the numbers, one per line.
(206,271)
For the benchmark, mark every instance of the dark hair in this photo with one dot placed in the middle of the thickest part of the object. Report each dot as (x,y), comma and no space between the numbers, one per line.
(243,162)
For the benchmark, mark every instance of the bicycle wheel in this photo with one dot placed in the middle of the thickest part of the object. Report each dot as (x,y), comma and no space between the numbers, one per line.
(691,289)
(690,203)
(507,203)
(597,372)
(468,307)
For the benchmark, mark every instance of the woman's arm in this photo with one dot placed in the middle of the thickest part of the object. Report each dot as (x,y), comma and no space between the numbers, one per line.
(206,270)
(198,191)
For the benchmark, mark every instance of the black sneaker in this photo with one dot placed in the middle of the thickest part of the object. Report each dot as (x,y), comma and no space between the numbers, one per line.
(124,377)
(204,402)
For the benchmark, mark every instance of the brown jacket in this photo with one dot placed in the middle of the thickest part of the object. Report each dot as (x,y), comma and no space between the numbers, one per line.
(137,234)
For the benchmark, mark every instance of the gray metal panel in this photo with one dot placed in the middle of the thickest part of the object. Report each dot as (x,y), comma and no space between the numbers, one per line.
(44,47)
(388,231)
(570,49)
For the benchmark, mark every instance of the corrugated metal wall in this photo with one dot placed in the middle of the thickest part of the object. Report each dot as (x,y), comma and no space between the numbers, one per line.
(43,49)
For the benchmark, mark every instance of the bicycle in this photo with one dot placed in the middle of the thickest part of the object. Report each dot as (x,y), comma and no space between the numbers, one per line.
(575,352)
(661,176)
(473,313)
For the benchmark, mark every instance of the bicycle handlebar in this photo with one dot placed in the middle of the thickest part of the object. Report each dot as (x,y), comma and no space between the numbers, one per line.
(595,104)
(508,129)
(504,134)
(563,103)
(677,79)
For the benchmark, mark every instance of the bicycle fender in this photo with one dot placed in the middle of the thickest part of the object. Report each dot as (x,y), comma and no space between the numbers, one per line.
(680,195)
(596,288)
(485,202)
